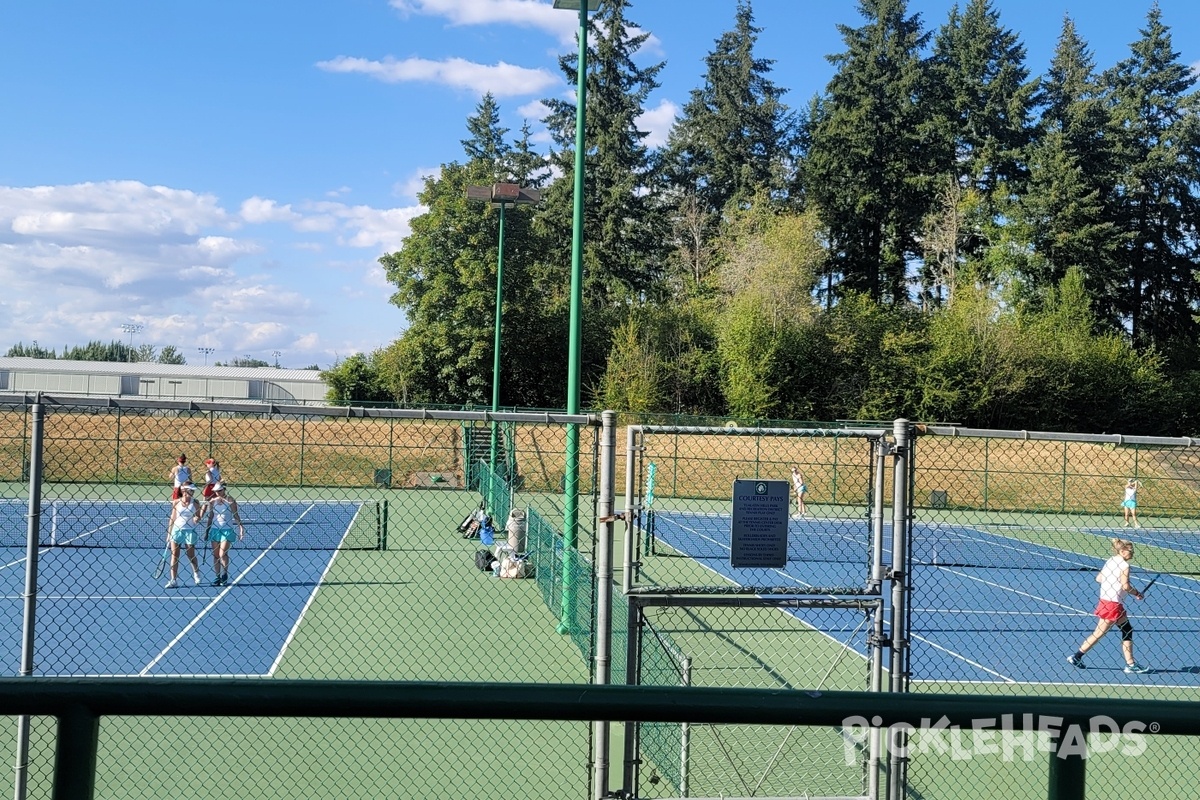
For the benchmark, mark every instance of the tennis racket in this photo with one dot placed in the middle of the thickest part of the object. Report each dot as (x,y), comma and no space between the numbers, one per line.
(162,563)
(1153,581)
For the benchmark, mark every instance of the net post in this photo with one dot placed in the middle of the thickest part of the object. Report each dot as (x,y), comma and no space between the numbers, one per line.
(383,525)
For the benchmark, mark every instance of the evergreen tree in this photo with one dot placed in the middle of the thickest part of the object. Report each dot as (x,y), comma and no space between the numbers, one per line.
(446,283)
(1156,202)
(1062,214)
(981,95)
(733,141)
(867,163)
(487,144)
(624,232)
(21,350)
(99,351)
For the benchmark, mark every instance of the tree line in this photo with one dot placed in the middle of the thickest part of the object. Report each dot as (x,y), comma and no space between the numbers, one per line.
(940,234)
(121,352)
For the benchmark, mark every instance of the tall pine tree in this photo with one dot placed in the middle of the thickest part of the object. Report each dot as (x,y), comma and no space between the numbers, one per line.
(867,159)
(1155,201)
(623,229)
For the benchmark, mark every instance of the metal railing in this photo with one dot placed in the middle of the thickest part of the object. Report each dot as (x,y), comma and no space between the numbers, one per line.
(79,705)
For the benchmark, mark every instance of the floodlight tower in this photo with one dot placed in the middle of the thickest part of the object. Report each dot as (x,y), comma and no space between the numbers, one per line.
(131,328)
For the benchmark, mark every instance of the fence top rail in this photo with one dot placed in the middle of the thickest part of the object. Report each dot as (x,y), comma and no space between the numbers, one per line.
(337,412)
(249,697)
(821,433)
(1098,438)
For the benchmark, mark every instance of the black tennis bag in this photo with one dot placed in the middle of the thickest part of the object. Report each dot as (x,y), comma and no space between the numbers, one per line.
(484,559)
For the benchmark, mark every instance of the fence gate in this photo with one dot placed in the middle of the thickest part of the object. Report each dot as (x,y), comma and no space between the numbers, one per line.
(697,612)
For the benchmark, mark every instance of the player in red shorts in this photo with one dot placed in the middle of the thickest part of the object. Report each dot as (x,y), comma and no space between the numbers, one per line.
(1114,585)
(180,474)
(212,476)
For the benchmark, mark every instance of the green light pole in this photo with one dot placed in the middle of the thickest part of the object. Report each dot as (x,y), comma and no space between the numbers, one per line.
(571,479)
(500,195)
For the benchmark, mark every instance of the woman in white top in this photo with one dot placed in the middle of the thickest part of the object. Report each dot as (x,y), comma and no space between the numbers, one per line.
(181,532)
(1129,504)
(222,515)
(801,490)
(1114,585)
(212,476)
(180,474)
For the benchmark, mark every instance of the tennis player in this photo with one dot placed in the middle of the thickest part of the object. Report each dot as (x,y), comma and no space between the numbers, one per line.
(1114,585)
(180,474)
(212,476)
(801,490)
(181,532)
(1129,504)
(222,514)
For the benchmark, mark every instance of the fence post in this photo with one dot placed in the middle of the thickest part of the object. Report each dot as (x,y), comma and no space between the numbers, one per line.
(606,509)
(32,534)
(75,755)
(1067,767)
(897,758)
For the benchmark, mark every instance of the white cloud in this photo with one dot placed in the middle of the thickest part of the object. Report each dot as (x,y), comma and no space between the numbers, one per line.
(107,211)
(502,79)
(657,123)
(79,261)
(414,184)
(521,13)
(257,210)
(363,226)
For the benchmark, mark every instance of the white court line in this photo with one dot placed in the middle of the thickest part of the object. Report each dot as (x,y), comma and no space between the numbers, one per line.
(312,596)
(961,657)
(44,550)
(212,604)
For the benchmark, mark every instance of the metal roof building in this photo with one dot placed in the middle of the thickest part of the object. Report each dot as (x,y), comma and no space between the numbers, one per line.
(161,381)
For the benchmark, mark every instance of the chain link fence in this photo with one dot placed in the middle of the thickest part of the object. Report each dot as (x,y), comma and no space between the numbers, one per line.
(400,545)
(963,562)
(358,561)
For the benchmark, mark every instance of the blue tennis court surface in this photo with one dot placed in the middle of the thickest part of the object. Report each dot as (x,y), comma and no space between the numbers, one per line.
(101,611)
(985,607)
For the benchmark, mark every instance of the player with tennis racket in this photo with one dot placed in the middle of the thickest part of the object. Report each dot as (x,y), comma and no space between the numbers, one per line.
(1110,611)
(181,532)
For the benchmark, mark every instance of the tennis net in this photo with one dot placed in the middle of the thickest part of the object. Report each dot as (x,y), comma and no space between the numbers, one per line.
(281,525)
(933,544)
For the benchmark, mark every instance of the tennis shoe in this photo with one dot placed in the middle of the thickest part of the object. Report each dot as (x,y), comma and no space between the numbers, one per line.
(1136,669)
(217,581)
(1076,662)
(196,577)
(171,584)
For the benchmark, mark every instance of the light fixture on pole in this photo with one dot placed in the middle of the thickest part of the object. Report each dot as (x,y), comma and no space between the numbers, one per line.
(500,195)
(277,354)
(571,478)
(206,351)
(131,328)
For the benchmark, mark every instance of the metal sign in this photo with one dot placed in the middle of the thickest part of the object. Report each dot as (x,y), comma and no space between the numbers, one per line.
(760,523)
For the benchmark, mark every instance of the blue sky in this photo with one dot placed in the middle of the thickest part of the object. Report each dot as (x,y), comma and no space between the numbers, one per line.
(226,173)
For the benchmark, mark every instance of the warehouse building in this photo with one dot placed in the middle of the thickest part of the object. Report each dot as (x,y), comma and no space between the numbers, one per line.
(161,381)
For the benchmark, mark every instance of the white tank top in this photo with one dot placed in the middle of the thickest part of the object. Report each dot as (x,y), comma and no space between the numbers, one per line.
(222,516)
(1110,579)
(183,474)
(184,511)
